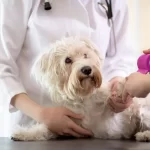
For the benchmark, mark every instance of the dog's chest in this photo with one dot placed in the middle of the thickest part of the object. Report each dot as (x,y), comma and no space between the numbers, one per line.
(107,125)
(101,124)
(101,121)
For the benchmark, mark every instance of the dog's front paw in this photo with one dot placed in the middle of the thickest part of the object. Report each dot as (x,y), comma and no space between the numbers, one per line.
(143,136)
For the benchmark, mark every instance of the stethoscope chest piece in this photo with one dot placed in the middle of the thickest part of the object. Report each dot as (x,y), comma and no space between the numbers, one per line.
(47,5)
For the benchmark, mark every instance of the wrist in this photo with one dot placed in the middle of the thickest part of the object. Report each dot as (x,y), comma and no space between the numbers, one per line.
(148,83)
(42,114)
(37,113)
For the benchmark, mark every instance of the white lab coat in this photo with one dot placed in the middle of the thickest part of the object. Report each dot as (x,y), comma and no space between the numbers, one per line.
(26,29)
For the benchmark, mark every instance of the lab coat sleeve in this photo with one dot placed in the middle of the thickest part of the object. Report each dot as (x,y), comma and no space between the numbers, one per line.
(14,16)
(124,61)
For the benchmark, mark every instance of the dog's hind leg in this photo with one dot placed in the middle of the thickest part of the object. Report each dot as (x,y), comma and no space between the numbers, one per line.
(143,136)
(37,132)
(144,128)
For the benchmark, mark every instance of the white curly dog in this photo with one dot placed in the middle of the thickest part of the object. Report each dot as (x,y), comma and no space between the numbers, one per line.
(71,73)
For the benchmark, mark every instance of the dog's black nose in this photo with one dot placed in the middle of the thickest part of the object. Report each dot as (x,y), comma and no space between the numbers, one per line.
(86,70)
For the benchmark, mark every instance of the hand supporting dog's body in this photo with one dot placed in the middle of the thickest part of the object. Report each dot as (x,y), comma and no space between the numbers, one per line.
(71,74)
(136,85)
(51,117)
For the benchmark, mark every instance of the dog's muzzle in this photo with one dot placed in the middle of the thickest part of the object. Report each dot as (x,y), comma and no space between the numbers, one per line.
(91,75)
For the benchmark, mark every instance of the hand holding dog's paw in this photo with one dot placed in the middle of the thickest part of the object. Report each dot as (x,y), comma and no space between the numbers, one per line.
(115,101)
(117,105)
(59,122)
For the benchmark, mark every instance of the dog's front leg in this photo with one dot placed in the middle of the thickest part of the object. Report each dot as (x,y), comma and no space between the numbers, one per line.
(115,100)
(101,97)
(106,95)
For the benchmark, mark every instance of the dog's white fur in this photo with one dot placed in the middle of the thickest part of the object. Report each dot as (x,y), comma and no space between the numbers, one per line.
(84,94)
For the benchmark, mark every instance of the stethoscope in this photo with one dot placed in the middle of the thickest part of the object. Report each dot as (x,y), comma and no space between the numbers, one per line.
(108,9)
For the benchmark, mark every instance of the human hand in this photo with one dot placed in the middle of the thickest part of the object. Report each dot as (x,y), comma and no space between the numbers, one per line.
(115,101)
(146,51)
(137,85)
(59,121)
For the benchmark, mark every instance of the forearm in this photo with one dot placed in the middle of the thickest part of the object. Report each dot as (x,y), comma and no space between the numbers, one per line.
(27,106)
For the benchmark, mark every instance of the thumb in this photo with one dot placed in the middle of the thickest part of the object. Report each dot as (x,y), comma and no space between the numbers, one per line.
(146,51)
(73,115)
(114,86)
(129,98)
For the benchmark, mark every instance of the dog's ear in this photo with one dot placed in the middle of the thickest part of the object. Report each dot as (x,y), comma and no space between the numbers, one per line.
(41,67)
(42,63)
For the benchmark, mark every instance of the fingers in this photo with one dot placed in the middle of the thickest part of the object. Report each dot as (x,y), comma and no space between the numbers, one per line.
(80,130)
(120,109)
(129,99)
(146,51)
(117,106)
(72,133)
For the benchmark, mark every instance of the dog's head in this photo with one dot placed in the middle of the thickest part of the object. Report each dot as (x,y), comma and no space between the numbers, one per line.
(71,68)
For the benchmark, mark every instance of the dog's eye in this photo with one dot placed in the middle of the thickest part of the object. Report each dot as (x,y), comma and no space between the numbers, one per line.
(68,60)
(85,55)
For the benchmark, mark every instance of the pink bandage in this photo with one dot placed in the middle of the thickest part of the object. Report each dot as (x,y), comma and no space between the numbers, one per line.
(143,63)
